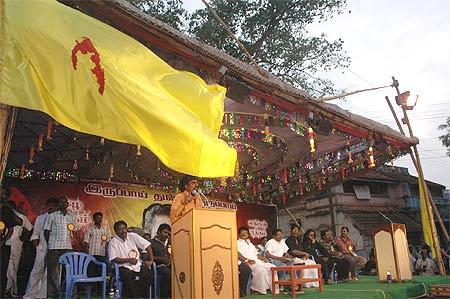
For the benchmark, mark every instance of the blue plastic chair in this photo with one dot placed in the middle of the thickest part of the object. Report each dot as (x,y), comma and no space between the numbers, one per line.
(155,285)
(76,264)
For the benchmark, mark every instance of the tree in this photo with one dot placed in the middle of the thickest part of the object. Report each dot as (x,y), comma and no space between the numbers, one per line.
(168,11)
(276,34)
(445,139)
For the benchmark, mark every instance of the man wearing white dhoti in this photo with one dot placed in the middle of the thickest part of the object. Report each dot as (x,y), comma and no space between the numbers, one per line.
(262,279)
(37,285)
(16,251)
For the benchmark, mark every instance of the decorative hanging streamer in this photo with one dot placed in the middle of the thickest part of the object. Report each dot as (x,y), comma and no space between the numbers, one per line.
(22,171)
(285,176)
(319,182)
(223,181)
(343,172)
(86,157)
(111,171)
(102,141)
(282,194)
(311,135)
(138,152)
(254,189)
(49,129)
(237,168)
(371,159)
(40,141)
(349,153)
(266,124)
(300,185)
(31,155)
(75,164)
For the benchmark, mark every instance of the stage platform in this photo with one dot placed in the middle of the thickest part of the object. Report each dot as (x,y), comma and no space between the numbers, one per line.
(368,287)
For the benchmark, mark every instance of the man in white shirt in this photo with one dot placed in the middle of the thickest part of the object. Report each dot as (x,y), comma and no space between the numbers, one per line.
(248,254)
(59,229)
(124,250)
(37,284)
(426,266)
(277,250)
(16,244)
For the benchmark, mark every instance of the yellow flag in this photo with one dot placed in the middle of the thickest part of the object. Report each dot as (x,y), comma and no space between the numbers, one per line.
(94,79)
(426,221)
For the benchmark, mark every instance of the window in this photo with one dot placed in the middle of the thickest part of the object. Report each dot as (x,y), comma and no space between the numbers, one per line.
(378,189)
(362,192)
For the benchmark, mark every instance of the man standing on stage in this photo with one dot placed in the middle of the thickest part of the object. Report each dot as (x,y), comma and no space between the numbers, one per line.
(124,251)
(187,199)
(37,284)
(161,255)
(59,230)
(8,221)
(16,244)
(96,239)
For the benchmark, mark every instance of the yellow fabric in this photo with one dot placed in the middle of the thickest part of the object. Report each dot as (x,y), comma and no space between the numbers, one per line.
(142,100)
(426,221)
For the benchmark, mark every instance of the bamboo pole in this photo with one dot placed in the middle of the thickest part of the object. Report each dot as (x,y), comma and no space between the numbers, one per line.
(424,186)
(433,205)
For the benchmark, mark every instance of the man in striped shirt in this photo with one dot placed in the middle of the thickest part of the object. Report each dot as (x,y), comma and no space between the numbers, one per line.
(59,229)
(96,239)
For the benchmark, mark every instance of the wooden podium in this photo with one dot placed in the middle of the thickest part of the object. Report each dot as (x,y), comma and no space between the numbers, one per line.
(204,255)
(392,253)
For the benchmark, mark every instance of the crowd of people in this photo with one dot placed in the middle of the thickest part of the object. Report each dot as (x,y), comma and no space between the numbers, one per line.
(298,249)
(53,231)
(52,236)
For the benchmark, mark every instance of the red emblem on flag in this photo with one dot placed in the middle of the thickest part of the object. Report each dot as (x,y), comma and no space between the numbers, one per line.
(86,46)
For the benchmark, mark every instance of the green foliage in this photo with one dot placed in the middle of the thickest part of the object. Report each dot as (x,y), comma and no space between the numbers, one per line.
(445,139)
(274,32)
(168,11)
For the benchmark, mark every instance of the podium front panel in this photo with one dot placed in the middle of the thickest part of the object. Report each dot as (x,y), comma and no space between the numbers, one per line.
(401,246)
(182,257)
(385,255)
(208,239)
(215,256)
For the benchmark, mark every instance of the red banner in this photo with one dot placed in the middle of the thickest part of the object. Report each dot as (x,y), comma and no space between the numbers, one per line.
(142,208)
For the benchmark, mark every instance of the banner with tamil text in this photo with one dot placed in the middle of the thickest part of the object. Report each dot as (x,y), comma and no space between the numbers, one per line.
(143,209)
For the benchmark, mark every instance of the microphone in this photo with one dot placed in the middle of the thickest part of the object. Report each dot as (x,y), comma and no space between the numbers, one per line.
(201,194)
(385,217)
(194,192)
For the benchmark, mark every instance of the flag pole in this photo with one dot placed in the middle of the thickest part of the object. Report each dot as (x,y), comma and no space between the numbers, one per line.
(433,205)
(428,210)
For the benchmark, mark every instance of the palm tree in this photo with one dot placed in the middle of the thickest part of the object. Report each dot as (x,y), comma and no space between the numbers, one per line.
(445,139)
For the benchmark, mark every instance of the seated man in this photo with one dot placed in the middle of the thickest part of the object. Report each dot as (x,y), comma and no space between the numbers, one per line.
(342,265)
(277,250)
(248,254)
(161,255)
(346,246)
(124,250)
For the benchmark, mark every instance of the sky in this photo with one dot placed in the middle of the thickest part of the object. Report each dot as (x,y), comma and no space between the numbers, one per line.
(406,39)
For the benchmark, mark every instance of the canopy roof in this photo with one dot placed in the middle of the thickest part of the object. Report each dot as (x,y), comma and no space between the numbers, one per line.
(266,120)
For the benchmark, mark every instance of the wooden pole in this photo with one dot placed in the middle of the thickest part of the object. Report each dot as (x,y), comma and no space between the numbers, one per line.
(428,210)
(433,205)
